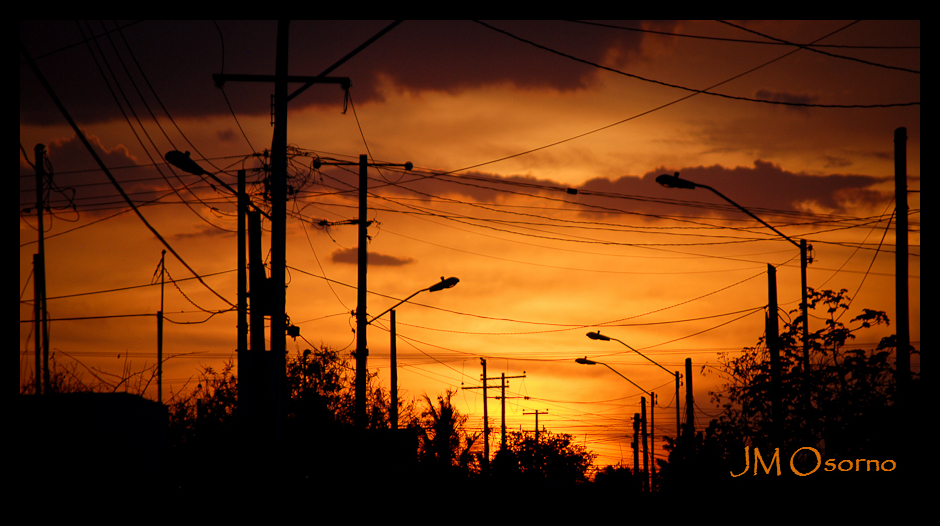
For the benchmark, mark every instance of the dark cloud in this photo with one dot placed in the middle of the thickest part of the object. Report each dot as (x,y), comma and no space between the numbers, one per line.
(351,255)
(177,59)
(79,179)
(783,96)
(764,186)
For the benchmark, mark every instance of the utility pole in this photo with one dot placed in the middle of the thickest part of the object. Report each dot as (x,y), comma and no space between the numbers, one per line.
(804,260)
(276,299)
(636,448)
(362,349)
(678,410)
(253,379)
(689,414)
(486,423)
(279,235)
(486,419)
(646,469)
(39,279)
(242,349)
(393,350)
(772,332)
(652,440)
(160,331)
(903,357)
(502,397)
(536,413)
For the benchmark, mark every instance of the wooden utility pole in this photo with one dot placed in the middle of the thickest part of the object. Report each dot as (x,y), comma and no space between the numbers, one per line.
(39,279)
(160,331)
(362,349)
(275,295)
(502,397)
(486,419)
(646,469)
(689,403)
(772,332)
(242,345)
(652,440)
(903,357)
(536,413)
(393,358)
(636,448)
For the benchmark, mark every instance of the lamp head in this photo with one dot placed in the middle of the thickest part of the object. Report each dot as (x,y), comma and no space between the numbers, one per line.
(673,181)
(585,361)
(183,162)
(444,284)
(597,336)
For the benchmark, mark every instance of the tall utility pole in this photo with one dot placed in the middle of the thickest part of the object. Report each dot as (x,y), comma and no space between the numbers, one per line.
(486,419)
(279,230)
(903,357)
(536,413)
(362,349)
(689,413)
(646,469)
(652,440)
(772,331)
(486,424)
(502,397)
(242,349)
(39,279)
(276,296)
(636,448)
(393,359)
(160,331)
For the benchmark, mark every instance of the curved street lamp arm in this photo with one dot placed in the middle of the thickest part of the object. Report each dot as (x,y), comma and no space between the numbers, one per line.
(625,378)
(397,304)
(748,212)
(643,355)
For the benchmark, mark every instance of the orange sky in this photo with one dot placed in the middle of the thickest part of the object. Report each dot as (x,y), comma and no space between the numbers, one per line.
(511,125)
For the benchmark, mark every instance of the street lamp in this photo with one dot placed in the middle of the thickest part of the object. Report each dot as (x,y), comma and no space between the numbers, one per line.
(601,337)
(586,361)
(393,409)
(448,283)
(673,181)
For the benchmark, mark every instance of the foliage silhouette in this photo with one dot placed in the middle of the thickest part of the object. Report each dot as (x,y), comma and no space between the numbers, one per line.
(845,407)
(550,459)
(443,443)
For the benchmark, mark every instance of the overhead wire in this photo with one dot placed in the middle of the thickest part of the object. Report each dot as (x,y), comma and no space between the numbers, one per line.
(703,91)
(81,135)
(817,50)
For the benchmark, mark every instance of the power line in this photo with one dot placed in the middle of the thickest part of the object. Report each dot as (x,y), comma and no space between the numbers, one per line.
(737,40)
(91,150)
(693,90)
(814,50)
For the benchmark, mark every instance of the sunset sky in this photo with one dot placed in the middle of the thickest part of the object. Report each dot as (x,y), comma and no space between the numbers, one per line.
(503,122)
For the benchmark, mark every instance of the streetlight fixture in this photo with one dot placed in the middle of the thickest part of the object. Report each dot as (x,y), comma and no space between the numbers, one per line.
(601,337)
(673,181)
(586,361)
(393,405)
(448,283)
(598,336)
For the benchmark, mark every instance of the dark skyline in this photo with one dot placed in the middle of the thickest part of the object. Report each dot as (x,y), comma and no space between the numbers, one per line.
(499,130)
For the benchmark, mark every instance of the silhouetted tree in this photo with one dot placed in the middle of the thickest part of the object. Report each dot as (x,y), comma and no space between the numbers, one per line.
(844,407)
(443,441)
(553,459)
